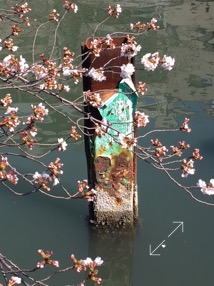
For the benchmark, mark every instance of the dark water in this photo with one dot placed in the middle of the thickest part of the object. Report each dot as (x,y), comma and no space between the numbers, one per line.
(27,224)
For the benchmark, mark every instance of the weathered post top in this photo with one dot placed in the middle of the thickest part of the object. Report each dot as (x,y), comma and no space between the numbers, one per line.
(110,59)
(111,165)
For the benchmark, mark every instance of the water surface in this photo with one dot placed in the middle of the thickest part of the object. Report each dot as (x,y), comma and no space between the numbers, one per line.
(27,224)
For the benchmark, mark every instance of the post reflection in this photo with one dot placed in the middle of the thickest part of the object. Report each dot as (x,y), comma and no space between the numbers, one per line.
(116,247)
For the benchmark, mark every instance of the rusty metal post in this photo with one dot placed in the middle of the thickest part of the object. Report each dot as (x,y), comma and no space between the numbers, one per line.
(111,168)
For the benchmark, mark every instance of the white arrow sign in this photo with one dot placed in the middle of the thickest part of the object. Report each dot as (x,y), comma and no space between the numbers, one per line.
(151,252)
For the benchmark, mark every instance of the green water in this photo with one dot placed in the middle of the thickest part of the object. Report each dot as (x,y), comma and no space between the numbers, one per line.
(33,222)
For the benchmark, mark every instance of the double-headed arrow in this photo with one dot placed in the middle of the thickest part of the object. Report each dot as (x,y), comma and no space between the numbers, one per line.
(151,252)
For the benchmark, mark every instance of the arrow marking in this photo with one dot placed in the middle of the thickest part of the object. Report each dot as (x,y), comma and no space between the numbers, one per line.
(152,252)
(180,223)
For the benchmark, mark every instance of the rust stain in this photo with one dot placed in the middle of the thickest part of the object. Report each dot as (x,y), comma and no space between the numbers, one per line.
(115,175)
(118,201)
(122,169)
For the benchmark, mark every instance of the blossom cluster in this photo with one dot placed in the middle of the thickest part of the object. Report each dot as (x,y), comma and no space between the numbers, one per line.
(141,88)
(21,10)
(62,144)
(187,168)
(14,280)
(115,11)
(67,68)
(156,142)
(98,44)
(160,151)
(206,188)
(109,41)
(86,192)
(42,180)
(12,65)
(196,154)
(54,170)
(11,120)
(16,30)
(70,6)
(181,146)
(9,45)
(127,70)
(46,259)
(54,16)
(99,129)
(88,264)
(130,49)
(96,74)
(93,98)
(52,174)
(141,119)
(142,27)
(152,61)
(26,137)
(6,172)
(74,133)
(126,141)
(96,47)
(39,112)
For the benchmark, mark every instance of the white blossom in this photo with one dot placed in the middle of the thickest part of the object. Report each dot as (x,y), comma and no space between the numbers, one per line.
(98,261)
(118,9)
(55,181)
(66,71)
(87,261)
(16,280)
(66,88)
(154,20)
(43,176)
(74,7)
(187,168)
(14,48)
(167,62)
(129,50)
(44,110)
(96,74)
(6,60)
(33,133)
(150,61)
(127,70)
(127,142)
(11,109)
(39,71)
(141,119)
(189,172)
(207,189)
(62,144)
(23,66)
(39,111)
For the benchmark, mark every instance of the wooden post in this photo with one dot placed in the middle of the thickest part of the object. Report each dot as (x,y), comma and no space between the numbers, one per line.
(111,168)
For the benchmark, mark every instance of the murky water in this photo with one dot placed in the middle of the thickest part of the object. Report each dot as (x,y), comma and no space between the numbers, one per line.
(27,224)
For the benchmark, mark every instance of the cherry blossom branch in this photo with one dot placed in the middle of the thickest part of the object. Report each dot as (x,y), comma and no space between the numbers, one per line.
(55,34)
(34,40)
(8,268)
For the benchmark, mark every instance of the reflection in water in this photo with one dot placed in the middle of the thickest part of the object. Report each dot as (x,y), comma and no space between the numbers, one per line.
(210,108)
(116,249)
(186,33)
